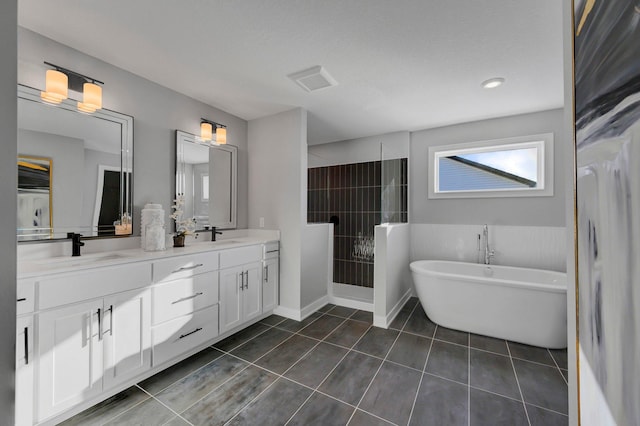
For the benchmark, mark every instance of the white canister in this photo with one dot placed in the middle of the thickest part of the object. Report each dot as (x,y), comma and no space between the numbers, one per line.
(154,237)
(152,214)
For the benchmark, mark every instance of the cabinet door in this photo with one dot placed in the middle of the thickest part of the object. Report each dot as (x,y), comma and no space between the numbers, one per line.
(127,336)
(69,356)
(230,298)
(252,293)
(270,285)
(24,371)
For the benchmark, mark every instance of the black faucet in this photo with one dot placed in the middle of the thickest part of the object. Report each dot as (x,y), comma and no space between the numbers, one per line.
(214,232)
(75,243)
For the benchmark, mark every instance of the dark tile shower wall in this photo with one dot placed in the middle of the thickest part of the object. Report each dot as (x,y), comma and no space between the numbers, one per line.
(355,195)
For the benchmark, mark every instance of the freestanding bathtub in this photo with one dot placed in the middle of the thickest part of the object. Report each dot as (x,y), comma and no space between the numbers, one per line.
(519,304)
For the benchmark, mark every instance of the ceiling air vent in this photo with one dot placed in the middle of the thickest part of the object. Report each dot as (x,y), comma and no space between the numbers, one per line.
(312,79)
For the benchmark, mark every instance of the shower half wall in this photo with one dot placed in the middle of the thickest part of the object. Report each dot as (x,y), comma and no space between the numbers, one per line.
(357,197)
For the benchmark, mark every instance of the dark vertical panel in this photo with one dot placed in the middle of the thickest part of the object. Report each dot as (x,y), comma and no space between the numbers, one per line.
(377,173)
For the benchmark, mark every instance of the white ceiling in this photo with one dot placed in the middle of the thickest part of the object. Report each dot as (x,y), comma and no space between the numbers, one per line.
(400,65)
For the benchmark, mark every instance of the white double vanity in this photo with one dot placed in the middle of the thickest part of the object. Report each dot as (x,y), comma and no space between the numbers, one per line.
(90,326)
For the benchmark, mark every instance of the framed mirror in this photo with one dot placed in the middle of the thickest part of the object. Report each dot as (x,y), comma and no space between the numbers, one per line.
(512,167)
(206,174)
(75,170)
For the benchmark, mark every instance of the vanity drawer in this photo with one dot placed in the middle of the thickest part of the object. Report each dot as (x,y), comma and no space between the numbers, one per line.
(184,296)
(98,282)
(184,266)
(182,334)
(25,296)
(240,256)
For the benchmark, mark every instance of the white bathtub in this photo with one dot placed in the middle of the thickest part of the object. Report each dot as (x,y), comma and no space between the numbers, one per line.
(519,304)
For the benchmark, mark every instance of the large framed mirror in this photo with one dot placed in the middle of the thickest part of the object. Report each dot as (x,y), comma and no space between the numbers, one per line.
(75,170)
(206,175)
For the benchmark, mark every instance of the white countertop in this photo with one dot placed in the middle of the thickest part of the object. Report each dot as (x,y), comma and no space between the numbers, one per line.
(62,264)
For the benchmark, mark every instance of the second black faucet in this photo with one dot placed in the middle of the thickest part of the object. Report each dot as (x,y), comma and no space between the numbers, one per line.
(214,232)
(75,243)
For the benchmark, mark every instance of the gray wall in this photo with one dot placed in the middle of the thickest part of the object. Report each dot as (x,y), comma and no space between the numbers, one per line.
(157,113)
(396,145)
(531,211)
(278,190)
(8,183)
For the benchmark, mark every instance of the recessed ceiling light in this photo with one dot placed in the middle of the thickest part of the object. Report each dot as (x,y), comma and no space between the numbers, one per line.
(492,83)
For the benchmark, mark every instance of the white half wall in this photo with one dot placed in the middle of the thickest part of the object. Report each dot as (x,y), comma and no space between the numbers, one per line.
(392,284)
(278,191)
(316,240)
(538,247)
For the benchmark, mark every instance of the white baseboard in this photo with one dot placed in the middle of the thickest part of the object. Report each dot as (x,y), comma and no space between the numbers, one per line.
(351,303)
(314,306)
(300,314)
(383,321)
(293,314)
(378,320)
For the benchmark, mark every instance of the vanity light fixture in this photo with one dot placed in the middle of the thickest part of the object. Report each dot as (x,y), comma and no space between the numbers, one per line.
(206,131)
(92,97)
(221,134)
(60,79)
(56,87)
(492,83)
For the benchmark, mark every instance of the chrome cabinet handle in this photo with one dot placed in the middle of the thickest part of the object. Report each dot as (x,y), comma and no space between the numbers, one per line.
(188,268)
(246,281)
(99,324)
(110,320)
(242,280)
(190,333)
(187,298)
(266,273)
(26,345)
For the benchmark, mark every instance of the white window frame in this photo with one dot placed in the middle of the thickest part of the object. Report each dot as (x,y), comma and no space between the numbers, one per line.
(544,187)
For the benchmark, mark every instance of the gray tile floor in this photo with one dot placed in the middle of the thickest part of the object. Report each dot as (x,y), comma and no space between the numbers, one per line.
(334,368)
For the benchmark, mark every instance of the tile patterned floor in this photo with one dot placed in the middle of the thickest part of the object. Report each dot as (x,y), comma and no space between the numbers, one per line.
(334,368)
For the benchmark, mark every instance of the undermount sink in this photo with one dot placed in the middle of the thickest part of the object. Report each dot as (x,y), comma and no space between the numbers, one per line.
(81,260)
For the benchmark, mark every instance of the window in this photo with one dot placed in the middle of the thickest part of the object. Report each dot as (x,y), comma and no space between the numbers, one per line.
(513,167)
(205,187)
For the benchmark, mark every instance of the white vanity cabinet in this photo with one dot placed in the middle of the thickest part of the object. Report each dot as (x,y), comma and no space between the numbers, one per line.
(84,335)
(270,276)
(25,305)
(185,304)
(126,336)
(70,359)
(87,347)
(240,286)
